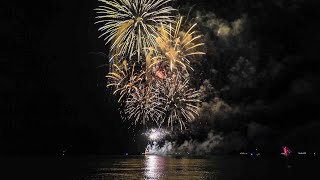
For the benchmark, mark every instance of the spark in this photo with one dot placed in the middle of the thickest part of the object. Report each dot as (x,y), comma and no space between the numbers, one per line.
(131,25)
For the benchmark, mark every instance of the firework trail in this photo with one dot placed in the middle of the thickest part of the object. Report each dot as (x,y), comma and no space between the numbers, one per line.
(131,25)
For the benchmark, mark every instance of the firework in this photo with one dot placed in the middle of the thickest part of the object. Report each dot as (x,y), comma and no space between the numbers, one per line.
(124,79)
(153,85)
(131,25)
(178,46)
(144,105)
(156,134)
(180,101)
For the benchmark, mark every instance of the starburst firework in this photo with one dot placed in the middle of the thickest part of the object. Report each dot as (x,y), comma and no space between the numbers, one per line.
(153,85)
(124,79)
(180,101)
(179,46)
(144,105)
(131,25)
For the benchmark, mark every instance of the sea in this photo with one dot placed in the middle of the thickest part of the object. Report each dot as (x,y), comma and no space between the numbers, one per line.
(154,167)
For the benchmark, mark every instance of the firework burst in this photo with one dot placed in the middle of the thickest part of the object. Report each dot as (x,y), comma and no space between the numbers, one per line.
(124,79)
(144,105)
(179,46)
(180,101)
(156,134)
(153,85)
(131,25)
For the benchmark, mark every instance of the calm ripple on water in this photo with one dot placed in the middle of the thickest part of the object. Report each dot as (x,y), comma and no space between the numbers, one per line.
(153,167)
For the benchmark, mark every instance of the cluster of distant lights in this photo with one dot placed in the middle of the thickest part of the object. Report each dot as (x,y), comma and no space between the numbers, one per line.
(286,152)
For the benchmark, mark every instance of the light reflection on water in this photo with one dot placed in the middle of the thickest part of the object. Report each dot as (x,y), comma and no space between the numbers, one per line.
(153,167)
(159,167)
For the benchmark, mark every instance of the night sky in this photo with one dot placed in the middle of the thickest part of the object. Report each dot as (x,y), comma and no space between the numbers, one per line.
(261,76)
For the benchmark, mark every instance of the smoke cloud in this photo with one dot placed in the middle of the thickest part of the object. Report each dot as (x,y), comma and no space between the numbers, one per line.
(220,27)
(193,147)
(248,81)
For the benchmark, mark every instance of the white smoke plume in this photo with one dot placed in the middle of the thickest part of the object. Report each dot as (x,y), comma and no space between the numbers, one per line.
(192,147)
(221,27)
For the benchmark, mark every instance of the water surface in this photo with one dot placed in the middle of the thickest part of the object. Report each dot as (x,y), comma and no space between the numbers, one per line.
(155,167)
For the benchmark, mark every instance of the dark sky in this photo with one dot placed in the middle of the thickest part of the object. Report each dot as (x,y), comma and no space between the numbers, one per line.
(53,92)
